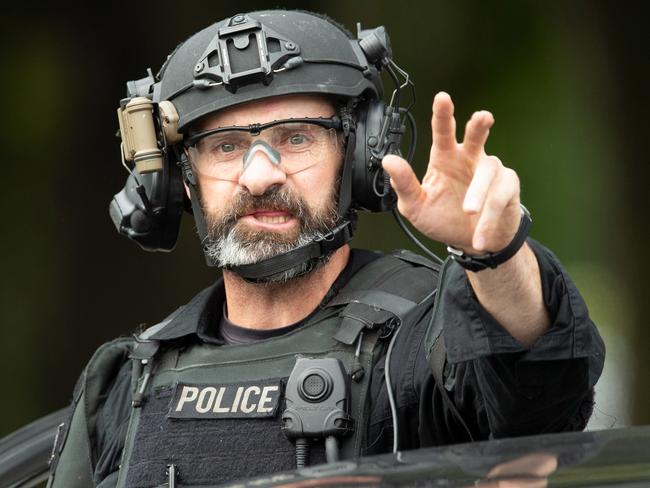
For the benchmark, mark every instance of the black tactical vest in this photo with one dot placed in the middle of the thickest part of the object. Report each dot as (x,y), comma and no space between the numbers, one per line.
(206,414)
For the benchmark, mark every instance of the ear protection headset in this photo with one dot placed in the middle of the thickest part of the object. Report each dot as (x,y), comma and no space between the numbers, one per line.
(250,57)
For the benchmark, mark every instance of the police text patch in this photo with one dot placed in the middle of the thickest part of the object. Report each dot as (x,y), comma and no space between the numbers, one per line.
(252,399)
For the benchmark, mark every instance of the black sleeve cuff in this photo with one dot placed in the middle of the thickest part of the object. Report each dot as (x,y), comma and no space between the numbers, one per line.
(471,332)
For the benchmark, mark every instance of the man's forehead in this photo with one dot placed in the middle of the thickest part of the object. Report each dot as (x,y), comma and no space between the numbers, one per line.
(269,109)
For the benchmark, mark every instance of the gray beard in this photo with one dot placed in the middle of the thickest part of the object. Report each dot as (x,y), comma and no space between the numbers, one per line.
(229,245)
(230,250)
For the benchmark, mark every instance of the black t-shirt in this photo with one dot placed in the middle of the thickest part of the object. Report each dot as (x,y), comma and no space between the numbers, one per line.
(231,333)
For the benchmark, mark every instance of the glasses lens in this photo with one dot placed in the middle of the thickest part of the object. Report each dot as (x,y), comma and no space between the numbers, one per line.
(300,145)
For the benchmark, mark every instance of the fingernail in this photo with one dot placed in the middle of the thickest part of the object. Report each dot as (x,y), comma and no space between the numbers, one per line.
(471,205)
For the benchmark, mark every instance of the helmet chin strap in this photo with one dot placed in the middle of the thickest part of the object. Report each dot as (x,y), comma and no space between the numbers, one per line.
(306,256)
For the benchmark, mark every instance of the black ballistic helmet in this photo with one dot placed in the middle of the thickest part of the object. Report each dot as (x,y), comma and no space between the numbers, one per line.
(265,54)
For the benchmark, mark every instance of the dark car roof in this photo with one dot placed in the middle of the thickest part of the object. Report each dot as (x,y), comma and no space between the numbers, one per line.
(617,457)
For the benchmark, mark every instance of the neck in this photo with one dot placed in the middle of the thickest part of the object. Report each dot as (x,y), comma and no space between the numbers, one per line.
(275,305)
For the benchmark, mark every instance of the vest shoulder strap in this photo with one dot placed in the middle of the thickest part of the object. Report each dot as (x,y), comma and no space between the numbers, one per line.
(149,331)
(389,291)
(142,354)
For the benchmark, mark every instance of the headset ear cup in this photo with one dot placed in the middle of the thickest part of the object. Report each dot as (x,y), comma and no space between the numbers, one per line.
(172,200)
(151,218)
(371,189)
(166,194)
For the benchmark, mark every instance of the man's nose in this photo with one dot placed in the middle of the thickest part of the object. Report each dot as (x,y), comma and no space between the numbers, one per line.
(261,173)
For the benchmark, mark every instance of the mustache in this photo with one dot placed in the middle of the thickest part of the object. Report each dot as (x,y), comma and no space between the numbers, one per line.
(275,199)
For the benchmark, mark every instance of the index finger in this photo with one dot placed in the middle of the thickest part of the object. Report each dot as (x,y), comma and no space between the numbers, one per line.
(443,124)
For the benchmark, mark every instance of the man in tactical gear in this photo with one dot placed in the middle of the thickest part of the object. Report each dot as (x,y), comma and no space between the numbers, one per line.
(272,126)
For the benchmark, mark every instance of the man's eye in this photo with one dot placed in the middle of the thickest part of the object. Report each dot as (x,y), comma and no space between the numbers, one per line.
(226,147)
(297,139)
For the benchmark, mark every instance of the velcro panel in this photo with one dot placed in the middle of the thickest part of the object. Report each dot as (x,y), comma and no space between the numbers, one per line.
(207,451)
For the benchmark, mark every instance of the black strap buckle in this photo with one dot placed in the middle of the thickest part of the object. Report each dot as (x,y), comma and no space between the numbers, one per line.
(233,55)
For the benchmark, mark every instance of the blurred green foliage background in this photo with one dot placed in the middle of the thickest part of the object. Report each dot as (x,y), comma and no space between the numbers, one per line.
(566,82)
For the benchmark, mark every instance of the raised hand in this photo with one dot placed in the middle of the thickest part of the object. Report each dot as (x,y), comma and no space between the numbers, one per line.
(466,199)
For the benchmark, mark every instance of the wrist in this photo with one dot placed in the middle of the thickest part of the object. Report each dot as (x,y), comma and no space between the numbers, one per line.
(494,259)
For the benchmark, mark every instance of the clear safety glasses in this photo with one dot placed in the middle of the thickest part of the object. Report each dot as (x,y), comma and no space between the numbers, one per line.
(294,144)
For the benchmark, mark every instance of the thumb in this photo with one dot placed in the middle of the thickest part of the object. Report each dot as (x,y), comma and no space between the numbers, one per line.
(404,182)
